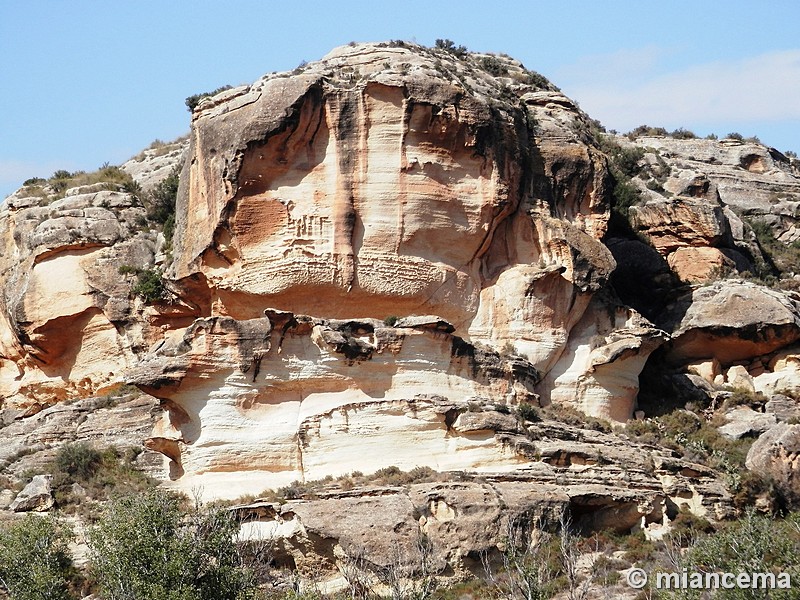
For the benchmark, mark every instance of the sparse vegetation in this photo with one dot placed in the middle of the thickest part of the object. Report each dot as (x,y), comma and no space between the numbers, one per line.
(572,416)
(390,320)
(782,259)
(450,46)
(696,439)
(109,177)
(528,412)
(494,67)
(624,164)
(99,473)
(161,204)
(193,100)
(682,134)
(647,131)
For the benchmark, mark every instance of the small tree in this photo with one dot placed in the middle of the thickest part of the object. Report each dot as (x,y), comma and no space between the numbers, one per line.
(527,571)
(35,563)
(149,547)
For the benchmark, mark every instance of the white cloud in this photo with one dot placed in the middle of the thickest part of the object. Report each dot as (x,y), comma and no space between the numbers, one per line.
(761,88)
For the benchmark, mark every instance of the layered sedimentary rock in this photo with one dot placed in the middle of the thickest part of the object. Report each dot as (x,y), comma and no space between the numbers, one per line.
(389,181)
(572,470)
(66,324)
(701,197)
(260,403)
(378,259)
(599,372)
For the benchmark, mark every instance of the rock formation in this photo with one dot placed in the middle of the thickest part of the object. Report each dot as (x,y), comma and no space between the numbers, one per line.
(394,257)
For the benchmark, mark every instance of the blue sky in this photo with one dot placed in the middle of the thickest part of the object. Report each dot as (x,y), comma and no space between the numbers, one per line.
(85,82)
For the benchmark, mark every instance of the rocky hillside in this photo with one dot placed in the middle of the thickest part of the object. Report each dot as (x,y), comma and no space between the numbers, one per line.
(419,262)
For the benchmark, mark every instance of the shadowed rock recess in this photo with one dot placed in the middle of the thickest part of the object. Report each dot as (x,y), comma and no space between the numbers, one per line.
(388,258)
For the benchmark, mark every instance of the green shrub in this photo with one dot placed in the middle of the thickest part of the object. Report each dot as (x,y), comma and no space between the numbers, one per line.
(528,412)
(683,134)
(646,130)
(79,460)
(150,286)
(493,66)
(148,546)
(390,320)
(101,474)
(735,136)
(450,46)
(753,544)
(35,562)
(194,100)
(163,197)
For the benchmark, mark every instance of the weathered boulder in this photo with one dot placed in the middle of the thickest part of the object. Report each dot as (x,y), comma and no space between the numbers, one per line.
(744,421)
(776,454)
(783,407)
(729,321)
(36,496)
(751,178)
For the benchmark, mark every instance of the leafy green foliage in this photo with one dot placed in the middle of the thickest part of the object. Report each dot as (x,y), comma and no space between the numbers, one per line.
(150,286)
(390,320)
(148,546)
(528,412)
(79,460)
(450,46)
(194,100)
(753,544)
(35,563)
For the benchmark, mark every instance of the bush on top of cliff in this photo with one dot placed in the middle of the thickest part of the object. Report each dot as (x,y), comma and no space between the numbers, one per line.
(193,100)
(112,177)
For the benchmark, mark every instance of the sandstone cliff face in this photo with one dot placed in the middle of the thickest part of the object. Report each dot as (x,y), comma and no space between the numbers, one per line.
(357,189)
(697,209)
(381,181)
(67,328)
(263,402)
(397,181)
